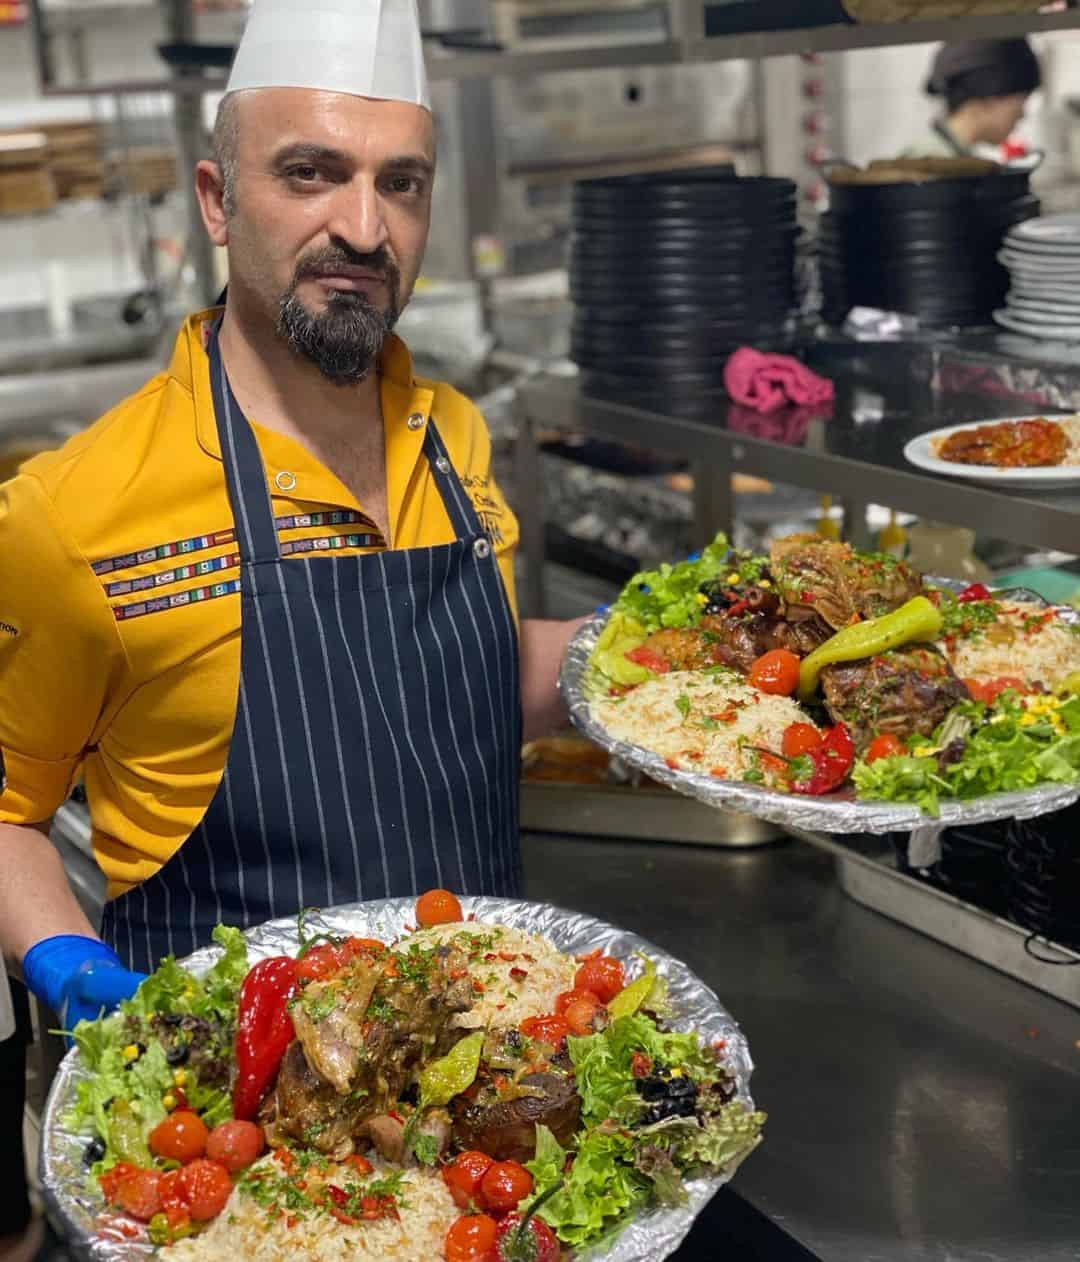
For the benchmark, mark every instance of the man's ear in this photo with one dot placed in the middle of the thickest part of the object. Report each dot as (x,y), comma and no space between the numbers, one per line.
(210,190)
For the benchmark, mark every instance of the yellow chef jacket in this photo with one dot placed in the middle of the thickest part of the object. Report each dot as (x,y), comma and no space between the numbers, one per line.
(119,618)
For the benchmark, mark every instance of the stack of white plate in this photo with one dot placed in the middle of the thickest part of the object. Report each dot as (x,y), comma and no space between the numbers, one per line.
(1043,260)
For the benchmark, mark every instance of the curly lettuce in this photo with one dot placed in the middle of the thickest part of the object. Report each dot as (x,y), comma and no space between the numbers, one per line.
(671,595)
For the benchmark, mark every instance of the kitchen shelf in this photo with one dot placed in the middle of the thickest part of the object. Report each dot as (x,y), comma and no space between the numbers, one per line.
(1019,516)
(695,47)
(690,46)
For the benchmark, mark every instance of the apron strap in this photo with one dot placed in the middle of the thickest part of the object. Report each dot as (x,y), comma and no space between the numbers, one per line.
(245,474)
(459,507)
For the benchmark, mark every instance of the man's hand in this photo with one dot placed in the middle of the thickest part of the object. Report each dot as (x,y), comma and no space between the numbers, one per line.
(77,977)
(543,646)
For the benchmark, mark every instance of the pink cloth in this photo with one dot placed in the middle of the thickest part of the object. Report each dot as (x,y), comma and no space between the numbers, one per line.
(765,382)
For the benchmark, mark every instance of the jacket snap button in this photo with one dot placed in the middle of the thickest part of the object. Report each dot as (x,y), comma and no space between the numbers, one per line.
(442,464)
(482,548)
(416,419)
(285,481)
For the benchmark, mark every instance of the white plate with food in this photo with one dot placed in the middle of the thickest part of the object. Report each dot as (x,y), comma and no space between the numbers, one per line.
(509,1076)
(828,689)
(958,451)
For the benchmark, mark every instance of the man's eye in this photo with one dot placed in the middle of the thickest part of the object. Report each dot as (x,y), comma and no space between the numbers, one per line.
(404,184)
(305,174)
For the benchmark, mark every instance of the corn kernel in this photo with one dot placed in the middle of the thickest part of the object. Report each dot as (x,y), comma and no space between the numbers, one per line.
(702,599)
(765,582)
(168,1102)
(179,1077)
(733,577)
(131,1052)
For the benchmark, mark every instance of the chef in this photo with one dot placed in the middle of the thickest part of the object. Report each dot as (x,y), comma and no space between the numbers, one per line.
(985,84)
(264,608)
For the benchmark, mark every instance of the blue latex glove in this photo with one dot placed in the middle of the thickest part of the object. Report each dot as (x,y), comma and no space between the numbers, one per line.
(77,977)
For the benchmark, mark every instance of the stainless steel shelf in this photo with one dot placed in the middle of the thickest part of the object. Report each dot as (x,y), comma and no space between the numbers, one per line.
(698,48)
(1050,520)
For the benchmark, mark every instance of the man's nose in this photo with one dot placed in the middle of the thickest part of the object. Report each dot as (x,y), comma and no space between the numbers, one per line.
(358,217)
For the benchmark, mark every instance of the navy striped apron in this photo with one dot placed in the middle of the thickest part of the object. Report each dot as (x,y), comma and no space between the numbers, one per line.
(376,742)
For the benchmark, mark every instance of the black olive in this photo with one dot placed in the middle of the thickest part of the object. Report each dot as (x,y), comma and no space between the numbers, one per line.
(513,1040)
(177,1054)
(682,1088)
(653,1088)
(94,1151)
(171,1018)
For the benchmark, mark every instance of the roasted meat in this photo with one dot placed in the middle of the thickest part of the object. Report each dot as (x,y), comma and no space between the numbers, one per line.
(505,1127)
(738,639)
(362,1036)
(304,1107)
(904,693)
(1008,444)
(817,578)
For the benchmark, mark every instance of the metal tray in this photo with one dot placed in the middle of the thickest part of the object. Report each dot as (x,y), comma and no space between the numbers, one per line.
(866,869)
(638,814)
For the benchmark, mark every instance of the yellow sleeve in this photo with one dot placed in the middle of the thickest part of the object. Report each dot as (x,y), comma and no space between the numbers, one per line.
(60,654)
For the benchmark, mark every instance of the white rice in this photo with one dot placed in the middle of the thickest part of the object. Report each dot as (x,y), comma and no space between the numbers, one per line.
(507,998)
(1070,424)
(650,716)
(246,1232)
(1044,653)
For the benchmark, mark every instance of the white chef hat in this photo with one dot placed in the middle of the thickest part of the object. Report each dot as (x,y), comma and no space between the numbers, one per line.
(359,47)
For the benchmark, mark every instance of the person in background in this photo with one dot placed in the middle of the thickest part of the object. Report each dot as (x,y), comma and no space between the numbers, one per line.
(985,84)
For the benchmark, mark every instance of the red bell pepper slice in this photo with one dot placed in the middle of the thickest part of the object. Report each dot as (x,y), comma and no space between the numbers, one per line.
(832,762)
(264,1031)
(974,591)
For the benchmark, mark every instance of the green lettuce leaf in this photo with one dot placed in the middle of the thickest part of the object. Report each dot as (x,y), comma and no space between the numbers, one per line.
(669,596)
(599,1189)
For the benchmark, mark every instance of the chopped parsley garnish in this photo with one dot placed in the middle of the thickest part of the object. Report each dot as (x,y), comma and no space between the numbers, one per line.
(682,704)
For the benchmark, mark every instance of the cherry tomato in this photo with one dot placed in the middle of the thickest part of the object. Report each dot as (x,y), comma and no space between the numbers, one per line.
(462,1176)
(799,739)
(437,907)
(545,1029)
(504,1185)
(181,1137)
(567,997)
(472,1239)
(603,976)
(205,1186)
(776,672)
(544,1246)
(319,963)
(581,1014)
(235,1144)
(140,1195)
(173,1205)
(884,746)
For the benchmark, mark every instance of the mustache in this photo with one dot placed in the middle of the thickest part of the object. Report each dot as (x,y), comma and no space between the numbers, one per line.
(376,261)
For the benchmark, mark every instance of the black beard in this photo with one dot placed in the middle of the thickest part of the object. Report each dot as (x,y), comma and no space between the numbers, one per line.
(343,341)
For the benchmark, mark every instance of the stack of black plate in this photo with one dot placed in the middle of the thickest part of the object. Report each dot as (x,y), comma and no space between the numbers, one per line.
(669,273)
(928,248)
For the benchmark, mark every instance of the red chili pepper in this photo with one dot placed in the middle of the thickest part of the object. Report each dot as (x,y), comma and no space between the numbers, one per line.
(740,606)
(974,591)
(264,1030)
(832,762)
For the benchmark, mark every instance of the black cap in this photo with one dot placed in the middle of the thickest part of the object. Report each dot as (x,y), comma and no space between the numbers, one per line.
(983,68)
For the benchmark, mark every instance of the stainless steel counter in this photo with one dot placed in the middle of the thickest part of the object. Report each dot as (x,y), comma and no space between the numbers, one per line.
(922,1106)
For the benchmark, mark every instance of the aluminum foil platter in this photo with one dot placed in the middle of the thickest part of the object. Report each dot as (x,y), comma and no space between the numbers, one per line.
(831,813)
(649,1237)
